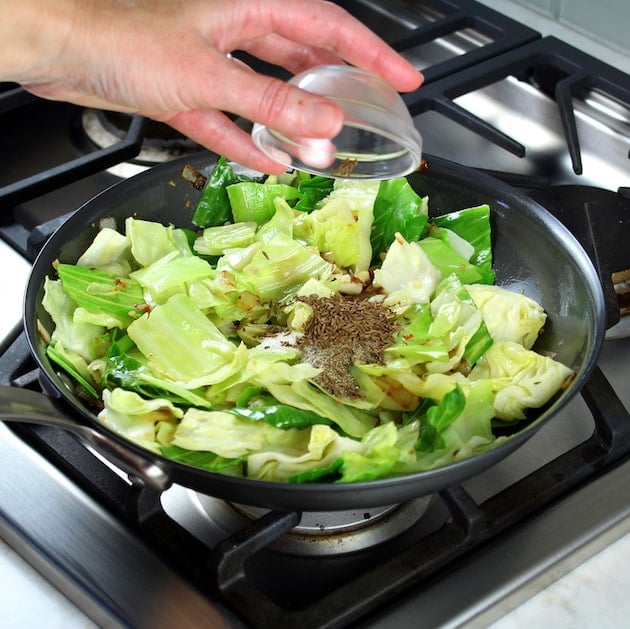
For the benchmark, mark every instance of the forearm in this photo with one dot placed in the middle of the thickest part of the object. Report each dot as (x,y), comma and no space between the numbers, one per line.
(168,60)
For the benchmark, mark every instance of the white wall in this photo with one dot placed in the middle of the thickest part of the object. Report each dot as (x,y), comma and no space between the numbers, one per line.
(599,27)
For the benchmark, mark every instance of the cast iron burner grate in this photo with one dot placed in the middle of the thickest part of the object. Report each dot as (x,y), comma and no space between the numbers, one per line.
(427,22)
(243,570)
(550,64)
(73,169)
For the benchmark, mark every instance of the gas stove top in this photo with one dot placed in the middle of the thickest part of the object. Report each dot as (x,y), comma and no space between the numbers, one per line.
(530,110)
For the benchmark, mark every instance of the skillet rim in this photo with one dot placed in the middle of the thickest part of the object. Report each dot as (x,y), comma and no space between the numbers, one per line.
(321,496)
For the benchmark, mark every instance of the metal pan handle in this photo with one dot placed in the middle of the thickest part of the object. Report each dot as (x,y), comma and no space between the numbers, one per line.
(31,407)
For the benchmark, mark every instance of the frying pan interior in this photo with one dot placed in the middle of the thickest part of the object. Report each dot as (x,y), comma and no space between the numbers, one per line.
(532,252)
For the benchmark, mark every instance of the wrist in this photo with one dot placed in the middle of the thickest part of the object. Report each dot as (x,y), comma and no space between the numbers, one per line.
(33,34)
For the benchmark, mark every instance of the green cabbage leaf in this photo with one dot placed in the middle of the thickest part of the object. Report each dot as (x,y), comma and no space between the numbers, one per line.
(198,344)
(509,315)
(520,378)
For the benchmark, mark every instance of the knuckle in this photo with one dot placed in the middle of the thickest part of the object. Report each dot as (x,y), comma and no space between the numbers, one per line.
(275,101)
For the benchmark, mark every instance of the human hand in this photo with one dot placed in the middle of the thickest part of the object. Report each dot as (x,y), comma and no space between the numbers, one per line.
(170,61)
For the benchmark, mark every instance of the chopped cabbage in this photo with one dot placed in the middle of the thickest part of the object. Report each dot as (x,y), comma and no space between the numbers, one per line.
(510,316)
(78,337)
(182,344)
(227,354)
(215,241)
(406,274)
(341,227)
(151,241)
(223,433)
(317,447)
(520,378)
(109,251)
(137,418)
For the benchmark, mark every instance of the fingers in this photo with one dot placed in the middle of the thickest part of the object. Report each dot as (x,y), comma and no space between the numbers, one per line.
(297,36)
(290,55)
(326,26)
(269,101)
(215,131)
(144,57)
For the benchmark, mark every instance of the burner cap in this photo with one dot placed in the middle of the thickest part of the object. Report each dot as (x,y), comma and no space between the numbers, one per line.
(161,144)
(317,534)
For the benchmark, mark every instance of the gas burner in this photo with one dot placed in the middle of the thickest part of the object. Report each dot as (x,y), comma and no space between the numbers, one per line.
(318,533)
(161,142)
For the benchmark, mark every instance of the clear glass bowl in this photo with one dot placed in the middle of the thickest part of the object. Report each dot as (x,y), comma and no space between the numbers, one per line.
(378,139)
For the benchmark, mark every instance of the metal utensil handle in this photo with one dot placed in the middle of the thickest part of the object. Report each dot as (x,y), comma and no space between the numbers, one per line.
(31,407)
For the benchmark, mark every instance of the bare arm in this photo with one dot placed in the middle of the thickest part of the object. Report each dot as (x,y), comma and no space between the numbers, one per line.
(169,60)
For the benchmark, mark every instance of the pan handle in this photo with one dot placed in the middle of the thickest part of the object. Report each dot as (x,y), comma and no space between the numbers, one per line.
(31,407)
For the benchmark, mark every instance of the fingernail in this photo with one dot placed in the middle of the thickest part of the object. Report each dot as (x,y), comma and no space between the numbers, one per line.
(322,119)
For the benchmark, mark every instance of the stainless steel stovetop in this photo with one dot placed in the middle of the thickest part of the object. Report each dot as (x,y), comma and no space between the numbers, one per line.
(490,96)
